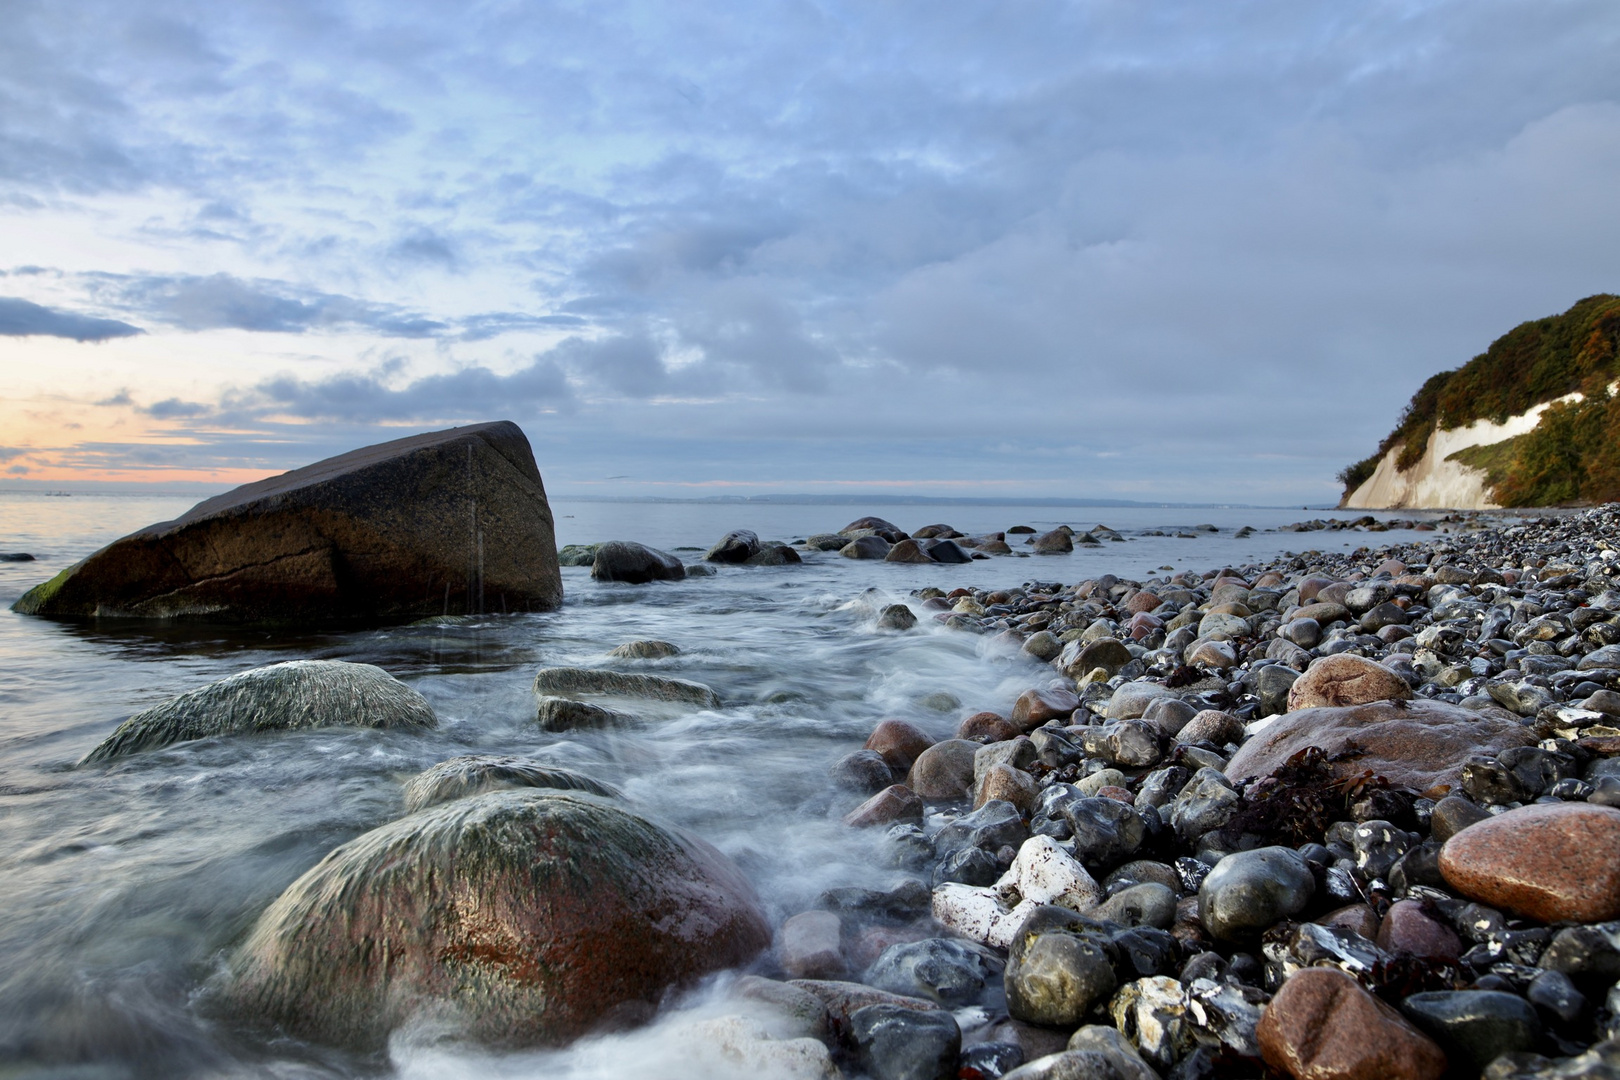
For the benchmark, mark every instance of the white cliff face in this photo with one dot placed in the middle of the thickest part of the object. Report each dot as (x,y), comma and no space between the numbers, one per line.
(1435,483)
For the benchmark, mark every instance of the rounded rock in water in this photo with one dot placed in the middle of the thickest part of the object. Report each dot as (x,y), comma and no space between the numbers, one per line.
(474,774)
(432,918)
(282,697)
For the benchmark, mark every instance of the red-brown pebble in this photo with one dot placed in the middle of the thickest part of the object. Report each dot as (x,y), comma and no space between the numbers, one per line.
(1406,929)
(1546,861)
(1358,918)
(1036,707)
(894,803)
(987,727)
(899,742)
(1115,792)
(1323,1026)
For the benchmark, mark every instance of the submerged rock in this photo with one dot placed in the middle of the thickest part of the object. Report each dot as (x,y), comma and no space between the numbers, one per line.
(291,696)
(556,681)
(474,774)
(511,918)
(449,522)
(645,650)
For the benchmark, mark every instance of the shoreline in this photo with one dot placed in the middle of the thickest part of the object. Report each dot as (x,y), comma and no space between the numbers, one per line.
(1135,771)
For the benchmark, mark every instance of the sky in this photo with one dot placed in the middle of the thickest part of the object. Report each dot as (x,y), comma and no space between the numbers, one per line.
(1115,249)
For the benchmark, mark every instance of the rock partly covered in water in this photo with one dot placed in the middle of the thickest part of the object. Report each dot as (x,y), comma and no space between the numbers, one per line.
(452,521)
(294,695)
(635,564)
(474,774)
(557,681)
(511,918)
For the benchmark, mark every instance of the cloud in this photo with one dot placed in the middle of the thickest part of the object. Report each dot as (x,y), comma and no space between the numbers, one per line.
(22,318)
(470,393)
(1214,243)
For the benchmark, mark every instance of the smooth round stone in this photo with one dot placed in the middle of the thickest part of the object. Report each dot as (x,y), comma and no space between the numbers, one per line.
(1169,714)
(1055,978)
(809,945)
(1043,645)
(944,770)
(1406,929)
(1306,633)
(1547,861)
(897,1043)
(1248,891)
(1105,831)
(899,742)
(1004,782)
(864,771)
(1475,1025)
(645,650)
(1323,1026)
(1346,679)
(1212,654)
(894,803)
(1212,726)
(1419,743)
(987,727)
(939,969)
(1106,653)
(1452,815)
(1035,707)
(1147,904)
(896,617)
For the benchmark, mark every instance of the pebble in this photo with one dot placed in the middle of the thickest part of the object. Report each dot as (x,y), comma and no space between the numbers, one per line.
(1548,862)
(1249,890)
(896,1043)
(894,803)
(1475,1026)
(1346,679)
(986,727)
(900,742)
(1056,973)
(1322,1025)
(809,946)
(939,969)
(944,771)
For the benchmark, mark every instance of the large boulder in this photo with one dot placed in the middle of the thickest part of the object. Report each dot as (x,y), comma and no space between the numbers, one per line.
(511,918)
(452,521)
(637,564)
(474,774)
(1416,743)
(281,697)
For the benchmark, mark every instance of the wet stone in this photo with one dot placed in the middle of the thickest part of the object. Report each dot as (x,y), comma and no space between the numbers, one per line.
(970,866)
(1248,891)
(1475,1026)
(864,771)
(944,771)
(809,946)
(1146,904)
(896,1043)
(1104,831)
(893,804)
(992,826)
(1549,862)
(939,969)
(900,742)
(1056,977)
(1322,1024)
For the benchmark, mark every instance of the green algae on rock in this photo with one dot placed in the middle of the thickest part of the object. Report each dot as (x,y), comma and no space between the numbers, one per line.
(510,918)
(294,695)
(474,774)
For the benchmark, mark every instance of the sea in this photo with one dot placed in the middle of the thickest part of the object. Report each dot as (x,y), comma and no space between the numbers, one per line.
(123,887)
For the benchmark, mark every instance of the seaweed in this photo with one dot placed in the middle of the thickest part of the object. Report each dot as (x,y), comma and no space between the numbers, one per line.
(1295,804)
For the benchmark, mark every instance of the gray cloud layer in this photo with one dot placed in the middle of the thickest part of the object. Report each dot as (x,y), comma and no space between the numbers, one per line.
(21,318)
(1220,244)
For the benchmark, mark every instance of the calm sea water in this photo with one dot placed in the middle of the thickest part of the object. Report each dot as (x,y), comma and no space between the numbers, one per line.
(123,886)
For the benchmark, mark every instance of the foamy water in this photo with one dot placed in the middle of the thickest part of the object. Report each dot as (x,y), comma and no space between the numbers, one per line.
(124,885)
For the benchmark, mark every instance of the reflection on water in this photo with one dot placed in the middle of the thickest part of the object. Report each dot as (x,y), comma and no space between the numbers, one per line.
(123,884)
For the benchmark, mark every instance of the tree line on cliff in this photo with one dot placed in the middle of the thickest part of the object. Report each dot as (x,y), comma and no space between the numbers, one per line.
(1572,455)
